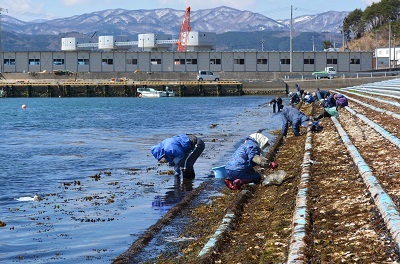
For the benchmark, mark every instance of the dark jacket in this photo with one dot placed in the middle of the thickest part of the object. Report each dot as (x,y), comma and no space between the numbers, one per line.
(329,102)
(276,100)
(322,94)
(294,116)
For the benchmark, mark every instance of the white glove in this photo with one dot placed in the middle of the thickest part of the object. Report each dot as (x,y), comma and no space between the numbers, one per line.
(261,161)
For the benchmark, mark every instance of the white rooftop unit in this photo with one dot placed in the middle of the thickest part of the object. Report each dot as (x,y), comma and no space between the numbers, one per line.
(155,42)
(69,44)
(106,42)
(201,41)
(114,43)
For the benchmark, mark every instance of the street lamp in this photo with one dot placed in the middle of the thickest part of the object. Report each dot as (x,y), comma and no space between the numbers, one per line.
(291,39)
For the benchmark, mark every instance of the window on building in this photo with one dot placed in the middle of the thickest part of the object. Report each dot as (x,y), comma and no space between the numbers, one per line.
(285,61)
(239,61)
(354,61)
(58,61)
(83,61)
(179,61)
(191,61)
(155,61)
(262,61)
(331,61)
(34,61)
(308,61)
(131,61)
(215,61)
(107,61)
(9,61)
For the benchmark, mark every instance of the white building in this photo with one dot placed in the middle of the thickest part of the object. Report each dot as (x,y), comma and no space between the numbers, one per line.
(382,57)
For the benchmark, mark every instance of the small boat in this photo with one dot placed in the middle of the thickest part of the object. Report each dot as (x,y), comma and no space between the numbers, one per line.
(146,92)
(2,93)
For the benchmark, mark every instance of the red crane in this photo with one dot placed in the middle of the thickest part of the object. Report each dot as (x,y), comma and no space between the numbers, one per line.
(184,33)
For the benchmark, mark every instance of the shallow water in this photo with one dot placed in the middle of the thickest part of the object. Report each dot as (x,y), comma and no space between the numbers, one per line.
(89,159)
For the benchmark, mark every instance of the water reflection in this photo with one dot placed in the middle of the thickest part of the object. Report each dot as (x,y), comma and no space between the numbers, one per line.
(175,194)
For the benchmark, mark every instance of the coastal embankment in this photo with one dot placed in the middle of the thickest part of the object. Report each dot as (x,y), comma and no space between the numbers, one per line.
(76,84)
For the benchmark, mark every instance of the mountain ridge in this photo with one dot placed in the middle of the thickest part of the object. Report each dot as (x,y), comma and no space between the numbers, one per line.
(219,20)
(22,35)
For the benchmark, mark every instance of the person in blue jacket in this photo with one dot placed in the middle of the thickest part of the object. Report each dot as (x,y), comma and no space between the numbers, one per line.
(292,115)
(180,151)
(308,98)
(239,168)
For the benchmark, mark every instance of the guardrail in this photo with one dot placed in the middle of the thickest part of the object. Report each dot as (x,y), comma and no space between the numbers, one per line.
(345,75)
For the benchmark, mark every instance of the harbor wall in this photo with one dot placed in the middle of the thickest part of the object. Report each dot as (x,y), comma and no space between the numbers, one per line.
(184,84)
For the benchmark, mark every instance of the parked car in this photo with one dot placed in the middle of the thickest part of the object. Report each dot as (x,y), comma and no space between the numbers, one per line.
(207,76)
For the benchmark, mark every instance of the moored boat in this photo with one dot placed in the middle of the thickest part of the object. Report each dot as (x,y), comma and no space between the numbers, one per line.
(147,92)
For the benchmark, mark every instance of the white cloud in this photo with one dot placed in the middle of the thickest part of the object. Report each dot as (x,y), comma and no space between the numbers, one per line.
(23,8)
(369,2)
(197,5)
(79,2)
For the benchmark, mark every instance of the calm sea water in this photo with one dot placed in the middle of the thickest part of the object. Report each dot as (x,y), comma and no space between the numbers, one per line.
(89,159)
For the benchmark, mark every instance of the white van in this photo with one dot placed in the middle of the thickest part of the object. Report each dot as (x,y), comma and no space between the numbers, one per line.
(207,76)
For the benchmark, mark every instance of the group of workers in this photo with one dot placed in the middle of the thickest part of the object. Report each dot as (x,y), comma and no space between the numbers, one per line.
(181,151)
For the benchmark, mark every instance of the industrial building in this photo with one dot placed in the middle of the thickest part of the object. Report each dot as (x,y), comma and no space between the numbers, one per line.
(190,61)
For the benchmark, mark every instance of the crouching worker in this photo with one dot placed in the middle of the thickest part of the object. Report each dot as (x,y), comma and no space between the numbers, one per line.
(180,151)
(291,115)
(240,169)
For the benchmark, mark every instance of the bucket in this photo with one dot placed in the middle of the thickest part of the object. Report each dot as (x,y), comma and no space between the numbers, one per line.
(219,172)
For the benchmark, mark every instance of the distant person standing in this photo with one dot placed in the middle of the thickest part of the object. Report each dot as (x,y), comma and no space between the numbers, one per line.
(299,91)
(276,104)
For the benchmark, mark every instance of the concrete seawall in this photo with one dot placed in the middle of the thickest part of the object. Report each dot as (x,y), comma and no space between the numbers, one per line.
(255,83)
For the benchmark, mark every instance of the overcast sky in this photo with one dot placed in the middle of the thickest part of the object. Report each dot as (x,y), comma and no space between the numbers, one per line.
(28,10)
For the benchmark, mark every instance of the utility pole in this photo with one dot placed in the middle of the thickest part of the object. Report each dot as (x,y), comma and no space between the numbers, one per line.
(291,38)
(262,44)
(394,51)
(390,55)
(1,50)
(313,44)
(376,49)
(343,36)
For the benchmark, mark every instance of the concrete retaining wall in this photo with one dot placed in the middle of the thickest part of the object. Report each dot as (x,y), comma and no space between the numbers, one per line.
(253,82)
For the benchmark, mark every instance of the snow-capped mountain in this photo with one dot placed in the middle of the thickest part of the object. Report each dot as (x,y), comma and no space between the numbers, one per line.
(131,22)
